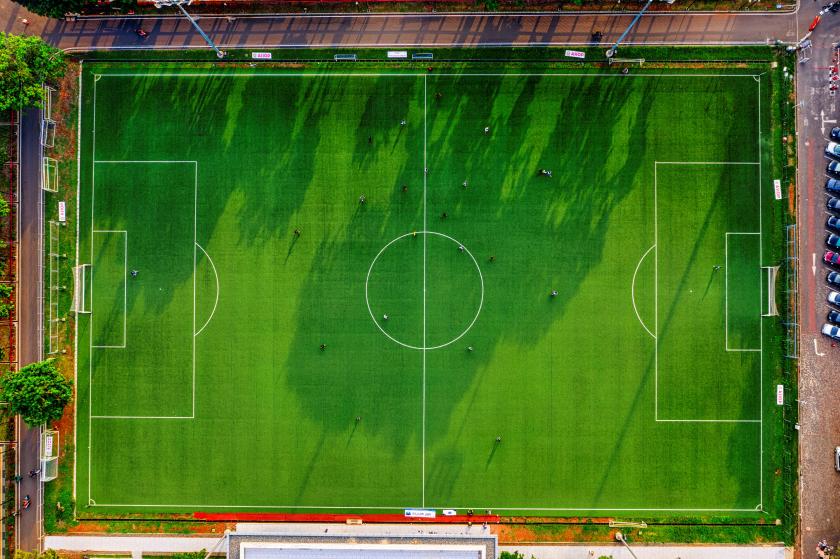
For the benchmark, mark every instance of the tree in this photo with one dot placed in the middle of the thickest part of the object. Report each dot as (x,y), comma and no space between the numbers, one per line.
(38,392)
(26,63)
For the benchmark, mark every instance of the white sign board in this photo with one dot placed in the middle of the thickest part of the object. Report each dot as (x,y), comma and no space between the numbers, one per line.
(449,512)
(419,513)
(261,55)
(780,394)
(777,188)
(575,54)
(48,445)
(397,54)
(62,212)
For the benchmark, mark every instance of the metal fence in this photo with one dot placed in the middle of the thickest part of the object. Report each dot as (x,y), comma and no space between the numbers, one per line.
(791,314)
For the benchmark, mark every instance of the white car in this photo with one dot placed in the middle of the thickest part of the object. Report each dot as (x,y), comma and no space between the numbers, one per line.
(834,298)
(833,150)
(831,331)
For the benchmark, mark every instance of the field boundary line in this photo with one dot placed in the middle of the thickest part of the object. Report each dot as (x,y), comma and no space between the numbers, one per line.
(656,291)
(726,291)
(417,74)
(760,320)
(633,291)
(125,289)
(215,304)
(76,317)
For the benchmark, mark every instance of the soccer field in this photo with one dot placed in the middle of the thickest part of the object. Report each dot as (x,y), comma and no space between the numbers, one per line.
(471,334)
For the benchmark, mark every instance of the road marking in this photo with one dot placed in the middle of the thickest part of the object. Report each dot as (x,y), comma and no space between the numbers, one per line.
(825,121)
(814,263)
(817,351)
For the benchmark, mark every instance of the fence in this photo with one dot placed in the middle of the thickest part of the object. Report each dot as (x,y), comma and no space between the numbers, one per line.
(54,287)
(791,315)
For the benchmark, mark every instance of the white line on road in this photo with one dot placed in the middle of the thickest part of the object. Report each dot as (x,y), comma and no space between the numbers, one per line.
(814,263)
(817,351)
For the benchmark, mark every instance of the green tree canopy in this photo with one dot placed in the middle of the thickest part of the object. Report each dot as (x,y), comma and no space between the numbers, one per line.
(26,63)
(38,392)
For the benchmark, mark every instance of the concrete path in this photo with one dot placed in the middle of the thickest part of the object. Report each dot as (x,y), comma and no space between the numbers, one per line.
(648,551)
(136,545)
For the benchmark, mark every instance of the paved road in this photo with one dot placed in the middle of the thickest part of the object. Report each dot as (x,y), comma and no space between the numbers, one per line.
(29,282)
(820,429)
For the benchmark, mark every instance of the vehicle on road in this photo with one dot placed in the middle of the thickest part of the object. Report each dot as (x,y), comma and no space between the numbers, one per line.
(831,331)
(833,150)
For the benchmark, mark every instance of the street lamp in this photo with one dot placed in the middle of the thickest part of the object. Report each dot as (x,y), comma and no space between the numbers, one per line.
(180,5)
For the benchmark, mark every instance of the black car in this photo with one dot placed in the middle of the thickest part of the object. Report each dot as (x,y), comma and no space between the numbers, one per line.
(833,204)
(833,278)
(833,185)
(833,241)
(835,133)
(833,222)
(833,168)
(834,316)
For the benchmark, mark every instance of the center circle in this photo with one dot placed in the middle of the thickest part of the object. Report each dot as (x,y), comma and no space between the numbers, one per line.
(424,290)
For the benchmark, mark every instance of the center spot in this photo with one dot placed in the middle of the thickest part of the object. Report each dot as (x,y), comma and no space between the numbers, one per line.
(429,286)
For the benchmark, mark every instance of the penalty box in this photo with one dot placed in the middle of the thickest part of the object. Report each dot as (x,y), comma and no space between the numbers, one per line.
(142,288)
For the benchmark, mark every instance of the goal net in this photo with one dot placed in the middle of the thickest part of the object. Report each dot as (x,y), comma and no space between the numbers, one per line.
(772,272)
(49,455)
(49,175)
(80,298)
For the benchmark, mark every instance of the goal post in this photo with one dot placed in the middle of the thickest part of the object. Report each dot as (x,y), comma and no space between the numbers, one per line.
(81,305)
(771,272)
(49,455)
(49,175)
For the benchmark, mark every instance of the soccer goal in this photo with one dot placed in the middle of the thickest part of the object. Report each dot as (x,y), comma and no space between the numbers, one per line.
(639,61)
(49,175)
(49,455)
(772,272)
(80,298)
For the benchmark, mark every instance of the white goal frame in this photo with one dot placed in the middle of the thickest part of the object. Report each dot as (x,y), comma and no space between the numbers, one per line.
(79,289)
(772,272)
(49,175)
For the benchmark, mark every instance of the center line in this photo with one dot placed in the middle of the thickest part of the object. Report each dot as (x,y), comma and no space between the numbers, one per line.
(425,173)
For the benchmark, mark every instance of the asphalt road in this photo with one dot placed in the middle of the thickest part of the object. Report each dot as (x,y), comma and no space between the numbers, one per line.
(29,301)
(818,390)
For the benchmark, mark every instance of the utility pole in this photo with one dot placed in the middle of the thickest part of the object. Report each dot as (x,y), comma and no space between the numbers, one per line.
(180,5)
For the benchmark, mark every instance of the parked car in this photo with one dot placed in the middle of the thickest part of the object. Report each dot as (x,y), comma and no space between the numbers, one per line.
(832,258)
(833,168)
(833,204)
(834,298)
(831,331)
(834,316)
(833,222)
(833,278)
(837,458)
(833,185)
(833,150)
(833,240)
(835,134)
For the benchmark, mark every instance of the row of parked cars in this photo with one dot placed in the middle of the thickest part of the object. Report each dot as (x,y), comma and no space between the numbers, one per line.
(832,239)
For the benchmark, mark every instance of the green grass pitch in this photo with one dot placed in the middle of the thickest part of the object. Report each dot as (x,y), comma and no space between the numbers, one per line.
(641,388)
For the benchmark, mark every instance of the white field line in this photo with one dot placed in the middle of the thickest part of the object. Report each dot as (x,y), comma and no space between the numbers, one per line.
(216,302)
(425,207)
(90,321)
(76,315)
(633,291)
(656,291)
(416,74)
(726,292)
(760,321)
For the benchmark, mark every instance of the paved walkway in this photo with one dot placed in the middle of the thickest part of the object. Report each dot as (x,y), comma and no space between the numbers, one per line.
(136,545)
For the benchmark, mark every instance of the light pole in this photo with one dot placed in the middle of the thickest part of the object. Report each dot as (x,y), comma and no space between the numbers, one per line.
(614,48)
(180,5)
(620,537)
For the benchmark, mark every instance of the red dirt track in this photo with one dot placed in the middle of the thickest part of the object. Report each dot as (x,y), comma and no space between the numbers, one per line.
(366,518)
